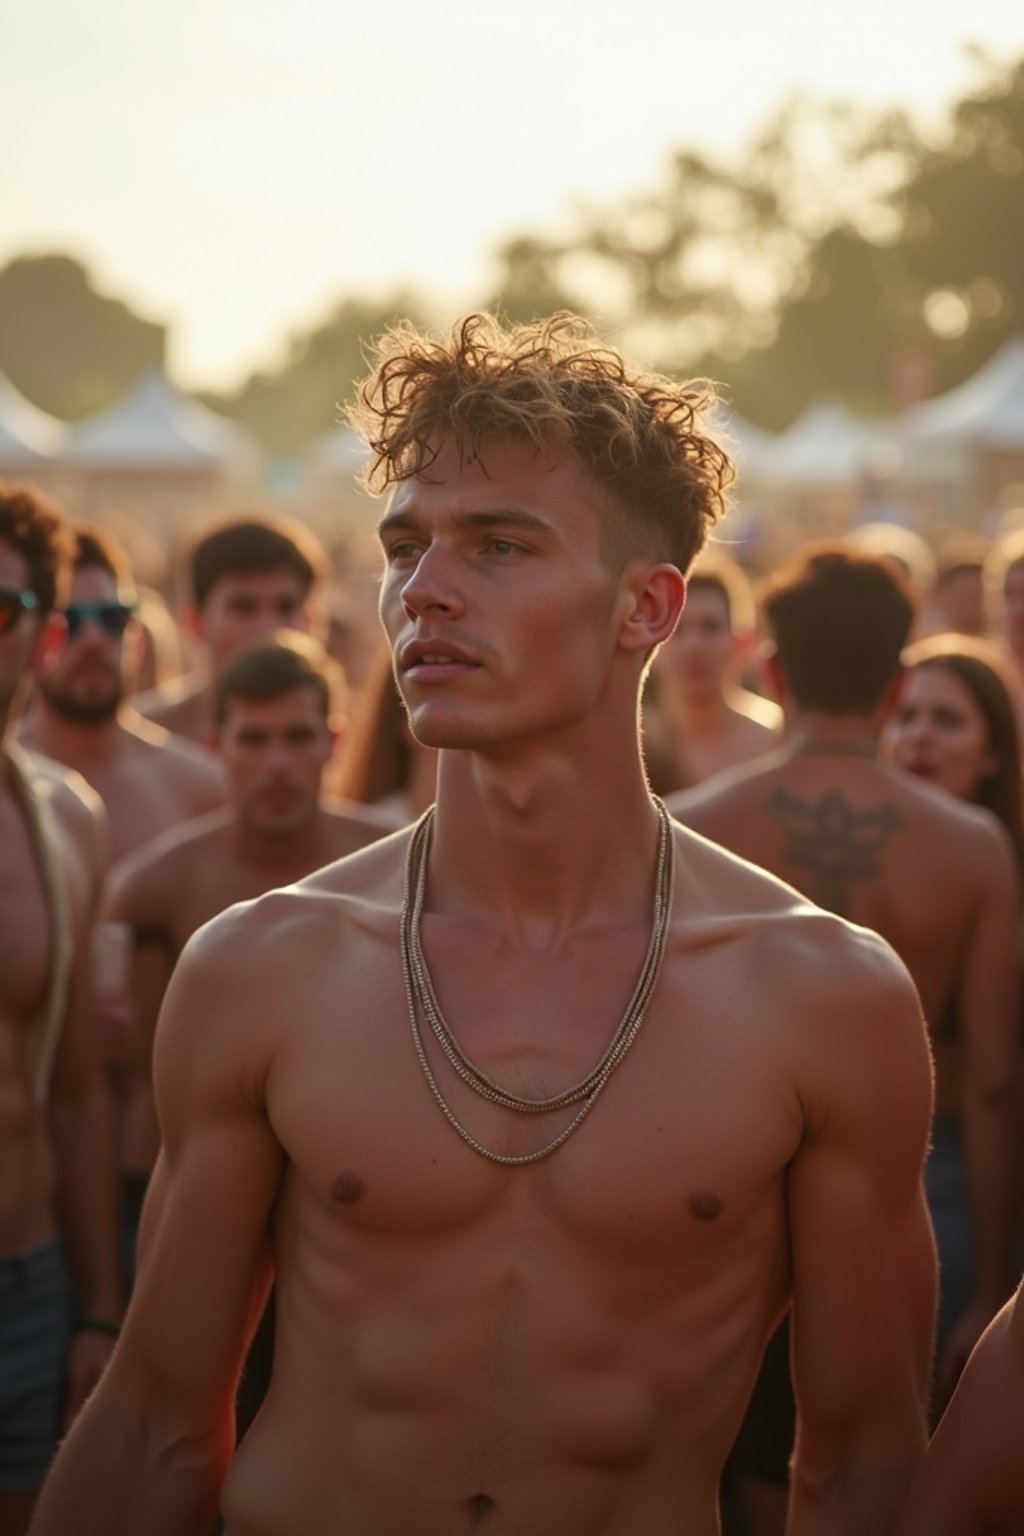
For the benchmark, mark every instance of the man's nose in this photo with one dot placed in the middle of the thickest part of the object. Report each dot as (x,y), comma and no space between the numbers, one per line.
(434,584)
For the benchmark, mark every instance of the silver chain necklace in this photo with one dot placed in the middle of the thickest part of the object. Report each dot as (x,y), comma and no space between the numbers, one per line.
(421,998)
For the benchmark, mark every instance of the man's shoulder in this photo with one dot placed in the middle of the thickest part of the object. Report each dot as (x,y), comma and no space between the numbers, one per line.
(162,746)
(785,936)
(172,704)
(727,793)
(171,856)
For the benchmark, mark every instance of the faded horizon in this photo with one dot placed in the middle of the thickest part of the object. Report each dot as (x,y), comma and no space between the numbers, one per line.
(234,171)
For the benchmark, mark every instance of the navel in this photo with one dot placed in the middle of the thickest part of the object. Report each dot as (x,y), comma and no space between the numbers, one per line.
(705,1205)
(479,1507)
(348,1188)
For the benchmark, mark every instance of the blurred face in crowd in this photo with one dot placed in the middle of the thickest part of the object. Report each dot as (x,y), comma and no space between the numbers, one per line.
(1013,608)
(244,605)
(697,657)
(19,626)
(961,601)
(81,669)
(274,753)
(939,732)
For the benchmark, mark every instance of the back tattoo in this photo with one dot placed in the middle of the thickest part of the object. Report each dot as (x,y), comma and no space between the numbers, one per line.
(835,843)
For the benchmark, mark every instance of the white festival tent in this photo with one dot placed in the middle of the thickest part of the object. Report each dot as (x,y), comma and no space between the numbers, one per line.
(985,415)
(29,438)
(828,446)
(155,429)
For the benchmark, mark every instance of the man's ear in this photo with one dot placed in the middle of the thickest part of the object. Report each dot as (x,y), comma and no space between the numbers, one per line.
(211,737)
(192,622)
(656,596)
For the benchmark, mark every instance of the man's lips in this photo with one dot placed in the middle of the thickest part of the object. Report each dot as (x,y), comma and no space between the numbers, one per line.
(434,660)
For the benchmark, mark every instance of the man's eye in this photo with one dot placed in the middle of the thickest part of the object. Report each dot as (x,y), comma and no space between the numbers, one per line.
(404,551)
(505,547)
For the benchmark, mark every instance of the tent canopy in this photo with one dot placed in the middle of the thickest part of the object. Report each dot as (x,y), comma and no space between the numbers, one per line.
(988,410)
(28,437)
(153,427)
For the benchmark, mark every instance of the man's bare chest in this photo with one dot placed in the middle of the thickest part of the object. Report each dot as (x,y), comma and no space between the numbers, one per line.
(689,1133)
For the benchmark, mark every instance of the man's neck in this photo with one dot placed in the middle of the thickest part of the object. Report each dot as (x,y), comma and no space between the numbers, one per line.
(284,851)
(74,742)
(812,730)
(546,845)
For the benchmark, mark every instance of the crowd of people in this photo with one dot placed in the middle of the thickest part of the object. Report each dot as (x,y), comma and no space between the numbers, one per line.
(282,1249)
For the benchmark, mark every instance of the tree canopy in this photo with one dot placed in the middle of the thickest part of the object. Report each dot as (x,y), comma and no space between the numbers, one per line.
(846,254)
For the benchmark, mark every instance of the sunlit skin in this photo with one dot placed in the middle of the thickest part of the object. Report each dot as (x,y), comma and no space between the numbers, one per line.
(564,1345)
(938,732)
(147,779)
(274,753)
(244,605)
(240,607)
(90,670)
(57,1157)
(719,723)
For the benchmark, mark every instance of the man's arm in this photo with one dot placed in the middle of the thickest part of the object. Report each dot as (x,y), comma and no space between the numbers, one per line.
(972,1480)
(991,1100)
(150,1450)
(81,1126)
(863,1253)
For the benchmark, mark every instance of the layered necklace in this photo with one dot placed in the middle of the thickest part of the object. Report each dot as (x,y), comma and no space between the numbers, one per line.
(422,1000)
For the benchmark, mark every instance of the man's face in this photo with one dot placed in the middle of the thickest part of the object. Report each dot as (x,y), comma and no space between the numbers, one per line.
(80,671)
(18,641)
(244,605)
(499,608)
(697,657)
(274,753)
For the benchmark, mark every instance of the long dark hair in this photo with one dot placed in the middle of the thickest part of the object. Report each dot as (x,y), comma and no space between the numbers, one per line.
(980,668)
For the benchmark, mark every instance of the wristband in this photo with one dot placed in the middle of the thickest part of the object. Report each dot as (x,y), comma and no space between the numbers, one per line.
(97,1325)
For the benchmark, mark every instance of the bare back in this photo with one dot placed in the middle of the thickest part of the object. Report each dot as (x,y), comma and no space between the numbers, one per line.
(865,841)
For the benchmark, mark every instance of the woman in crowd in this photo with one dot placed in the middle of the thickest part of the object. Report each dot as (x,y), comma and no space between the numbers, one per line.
(955,727)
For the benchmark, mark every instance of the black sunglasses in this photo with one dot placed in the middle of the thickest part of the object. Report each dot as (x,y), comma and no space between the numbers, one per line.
(12,605)
(112,618)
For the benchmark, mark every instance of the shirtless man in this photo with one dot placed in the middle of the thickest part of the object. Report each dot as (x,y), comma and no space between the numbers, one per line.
(148,780)
(57,1182)
(250,576)
(535,1307)
(717,722)
(934,876)
(276,712)
(972,1480)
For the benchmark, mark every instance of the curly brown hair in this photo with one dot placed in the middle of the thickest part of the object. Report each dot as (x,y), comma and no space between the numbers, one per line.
(642,438)
(34,527)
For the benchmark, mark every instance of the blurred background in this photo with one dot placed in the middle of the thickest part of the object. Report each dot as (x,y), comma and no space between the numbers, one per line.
(208,210)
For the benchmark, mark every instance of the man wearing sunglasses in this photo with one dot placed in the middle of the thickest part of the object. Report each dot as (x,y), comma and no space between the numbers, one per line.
(148,779)
(59,1294)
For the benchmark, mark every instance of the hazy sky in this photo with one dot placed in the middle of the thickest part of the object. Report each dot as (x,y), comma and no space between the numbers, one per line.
(233,166)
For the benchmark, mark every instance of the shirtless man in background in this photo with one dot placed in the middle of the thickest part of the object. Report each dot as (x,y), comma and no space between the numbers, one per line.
(148,780)
(276,713)
(934,876)
(59,1295)
(524,1283)
(717,723)
(249,577)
